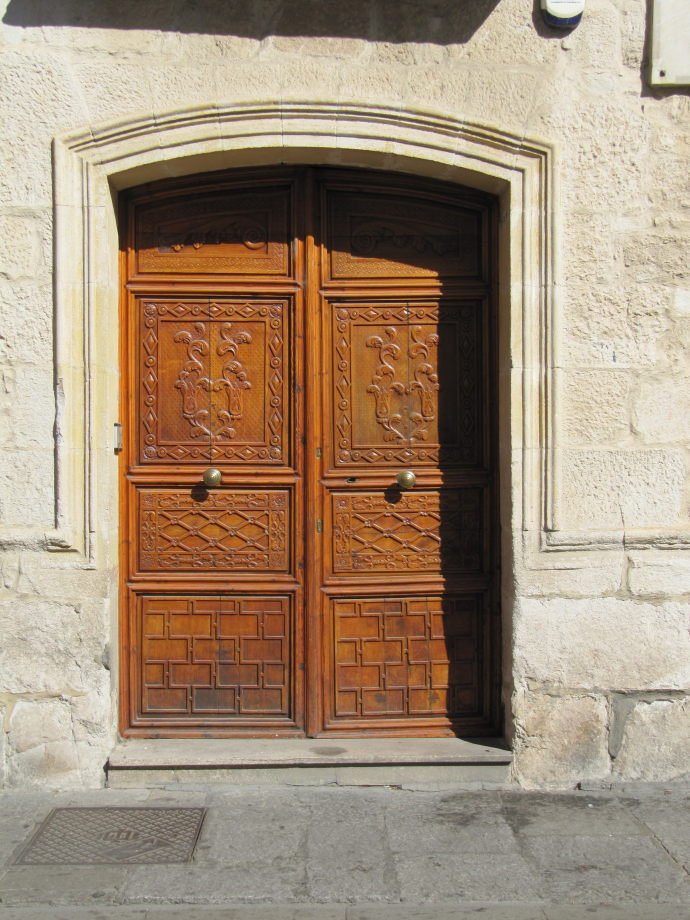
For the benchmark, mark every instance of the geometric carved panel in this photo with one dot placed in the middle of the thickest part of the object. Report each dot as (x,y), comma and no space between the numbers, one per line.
(413,656)
(213,530)
(216,233)
(435,532)
(407,383)
(216,656)
(389,236)
(213,382)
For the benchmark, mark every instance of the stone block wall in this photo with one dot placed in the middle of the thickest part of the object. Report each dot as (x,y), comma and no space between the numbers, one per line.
(597,664)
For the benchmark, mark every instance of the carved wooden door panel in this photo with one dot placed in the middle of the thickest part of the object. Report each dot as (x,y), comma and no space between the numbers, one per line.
(407,598)
(310,334)
(214,572)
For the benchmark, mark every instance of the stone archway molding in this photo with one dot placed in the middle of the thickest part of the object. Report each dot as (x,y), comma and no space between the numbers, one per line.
(91,165)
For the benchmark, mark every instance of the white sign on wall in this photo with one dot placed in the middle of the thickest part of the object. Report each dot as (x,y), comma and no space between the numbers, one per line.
(670,63)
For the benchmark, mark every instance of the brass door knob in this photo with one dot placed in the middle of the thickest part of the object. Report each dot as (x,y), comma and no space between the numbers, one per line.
(406,479)
(212,477)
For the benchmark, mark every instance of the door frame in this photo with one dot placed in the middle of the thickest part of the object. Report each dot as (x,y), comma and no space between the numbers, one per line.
(92,163)
(307,247)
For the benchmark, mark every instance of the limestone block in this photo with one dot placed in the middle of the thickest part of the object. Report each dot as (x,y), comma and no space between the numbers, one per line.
(612,489)
(184,47)
(559,740)
(596,406)
(505,38)
(504,98)
(674,350)
(54,576)
(33,723)
(422,54)
(378,84)
(596,43)
(605,138)
(659,574)
(656,742)
(50,647)
(668,182)
(55,764)
(654,258)
(175,85)
(27,408)
(113,89)
(604,643)
(614,326)
(249,83)
(661,411)
(321,46)
(38,97)
(22,241)
(573,576)
(92,717)
(588,249)
(26,488)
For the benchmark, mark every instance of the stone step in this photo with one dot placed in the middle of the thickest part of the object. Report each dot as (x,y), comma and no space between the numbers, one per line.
(309,761)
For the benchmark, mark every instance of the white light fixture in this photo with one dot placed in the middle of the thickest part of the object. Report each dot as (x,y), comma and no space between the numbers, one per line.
(562,14)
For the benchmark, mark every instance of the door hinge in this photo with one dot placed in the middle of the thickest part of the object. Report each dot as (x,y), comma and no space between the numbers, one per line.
(318,453)
(319,526)
(117,437)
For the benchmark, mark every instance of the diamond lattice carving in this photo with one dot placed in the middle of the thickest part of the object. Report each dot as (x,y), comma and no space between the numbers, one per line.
(239,530)
(437,532)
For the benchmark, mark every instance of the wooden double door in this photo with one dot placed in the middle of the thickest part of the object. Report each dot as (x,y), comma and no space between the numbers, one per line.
(299,338)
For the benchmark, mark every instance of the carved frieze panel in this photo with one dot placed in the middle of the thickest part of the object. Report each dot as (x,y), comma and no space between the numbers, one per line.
(435,532)
(213,382)
(227,232)
(407,384)
(215,656)
(215,531)
(393,236)
(406,656)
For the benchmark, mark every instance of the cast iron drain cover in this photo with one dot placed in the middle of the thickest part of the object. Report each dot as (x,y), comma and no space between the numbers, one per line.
(89,836)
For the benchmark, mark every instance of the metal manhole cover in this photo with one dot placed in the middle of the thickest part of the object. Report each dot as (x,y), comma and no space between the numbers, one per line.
(89,836)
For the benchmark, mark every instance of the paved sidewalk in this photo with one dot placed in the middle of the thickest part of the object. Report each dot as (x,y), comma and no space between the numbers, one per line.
(352,853)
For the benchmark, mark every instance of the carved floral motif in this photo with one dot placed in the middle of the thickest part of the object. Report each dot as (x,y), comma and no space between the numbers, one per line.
(192,380)
(424,383)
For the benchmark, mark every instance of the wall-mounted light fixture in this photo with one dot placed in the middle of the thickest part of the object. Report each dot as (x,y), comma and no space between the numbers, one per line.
(562,14)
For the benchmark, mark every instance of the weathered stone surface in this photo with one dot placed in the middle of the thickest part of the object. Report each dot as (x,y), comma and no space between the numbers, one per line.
(51,647)
(622,489)
(27,316)
(662,410)
(38,722)
(585,869)
(23,239)
(614,327)
(656,742)
(600,643)
(659,573)
(573,575)
(559,740)
(650,258)
(596,406)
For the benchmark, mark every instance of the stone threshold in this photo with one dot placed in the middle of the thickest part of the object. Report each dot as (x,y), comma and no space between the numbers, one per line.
(308,761)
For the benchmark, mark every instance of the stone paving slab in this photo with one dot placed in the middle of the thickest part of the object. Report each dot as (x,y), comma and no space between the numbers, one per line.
(477,910)
(330,853)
